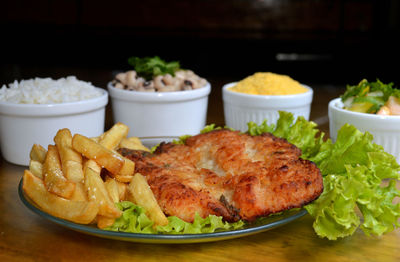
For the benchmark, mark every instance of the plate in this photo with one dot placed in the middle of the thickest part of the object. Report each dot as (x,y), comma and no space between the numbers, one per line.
(266,224)
(150,141)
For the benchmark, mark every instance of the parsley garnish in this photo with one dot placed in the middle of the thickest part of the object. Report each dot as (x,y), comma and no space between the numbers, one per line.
(149,67)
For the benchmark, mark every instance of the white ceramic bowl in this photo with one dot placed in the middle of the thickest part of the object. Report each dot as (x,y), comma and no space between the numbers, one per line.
(385,129)
(240,108)
(160,113)
(22,125)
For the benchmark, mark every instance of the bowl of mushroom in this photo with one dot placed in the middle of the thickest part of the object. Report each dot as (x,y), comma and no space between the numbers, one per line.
(169,102)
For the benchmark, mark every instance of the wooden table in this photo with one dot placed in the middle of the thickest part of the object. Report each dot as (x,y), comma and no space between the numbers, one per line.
(25,236)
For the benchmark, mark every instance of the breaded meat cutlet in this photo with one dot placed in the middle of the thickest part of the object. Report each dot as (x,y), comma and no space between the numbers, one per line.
(228,174)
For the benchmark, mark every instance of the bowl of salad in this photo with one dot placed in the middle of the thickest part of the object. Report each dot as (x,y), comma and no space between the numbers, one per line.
(372,107)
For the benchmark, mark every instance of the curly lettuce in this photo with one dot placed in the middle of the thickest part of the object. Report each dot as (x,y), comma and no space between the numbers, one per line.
(132,220)
(135,220)
(357,173)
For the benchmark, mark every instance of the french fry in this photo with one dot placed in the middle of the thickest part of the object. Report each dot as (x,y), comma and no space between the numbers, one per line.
(144,197)
(98,193)
(38,153)
(36,168)
(133,143)
(106,158)
(70,159)
(91,164)
(123,179)
(114,135)
(82,212)
(112,189)
(53,177)
(103,222)
(122,190)
(79,193)
(111,140)
(94,167)
(95,139)
(127,170)
(65,179)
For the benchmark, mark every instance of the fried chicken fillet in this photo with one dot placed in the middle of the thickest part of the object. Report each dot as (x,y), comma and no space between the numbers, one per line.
(228,174)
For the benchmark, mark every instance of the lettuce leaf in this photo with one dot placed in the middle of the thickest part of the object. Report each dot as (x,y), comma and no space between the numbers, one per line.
(302,133)
(254,129)
(358,175)
(135,220)
(353,169)
(200,225)
(353,174)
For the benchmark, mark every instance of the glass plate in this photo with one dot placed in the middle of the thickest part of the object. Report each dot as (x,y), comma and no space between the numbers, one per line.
(266,224)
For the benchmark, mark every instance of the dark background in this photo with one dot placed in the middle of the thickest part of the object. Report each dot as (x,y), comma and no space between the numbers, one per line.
(334,42)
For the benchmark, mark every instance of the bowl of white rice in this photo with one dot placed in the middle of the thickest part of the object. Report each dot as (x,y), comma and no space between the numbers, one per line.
(33,110)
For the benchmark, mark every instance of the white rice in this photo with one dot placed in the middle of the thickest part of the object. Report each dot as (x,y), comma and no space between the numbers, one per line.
(48,91)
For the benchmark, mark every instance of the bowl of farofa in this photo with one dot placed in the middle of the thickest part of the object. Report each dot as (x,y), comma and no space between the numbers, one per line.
(261,96)
(170,103)
(33,110)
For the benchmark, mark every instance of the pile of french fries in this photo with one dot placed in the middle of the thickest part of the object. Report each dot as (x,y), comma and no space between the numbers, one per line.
(65,180)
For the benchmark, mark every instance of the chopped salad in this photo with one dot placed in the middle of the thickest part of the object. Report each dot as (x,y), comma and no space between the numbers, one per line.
(372,98)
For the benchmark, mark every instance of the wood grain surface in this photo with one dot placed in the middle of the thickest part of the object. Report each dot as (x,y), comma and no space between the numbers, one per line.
(25,236)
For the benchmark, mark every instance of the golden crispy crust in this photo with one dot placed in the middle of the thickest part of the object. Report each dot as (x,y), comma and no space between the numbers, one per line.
(229,174)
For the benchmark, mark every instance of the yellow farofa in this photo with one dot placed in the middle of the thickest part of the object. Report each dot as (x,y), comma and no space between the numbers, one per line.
(268,84)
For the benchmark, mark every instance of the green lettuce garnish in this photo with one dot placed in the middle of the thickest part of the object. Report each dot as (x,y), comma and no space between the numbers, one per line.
(353,169)
(359,184)
(302,133)
(200,225)
(135,220)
